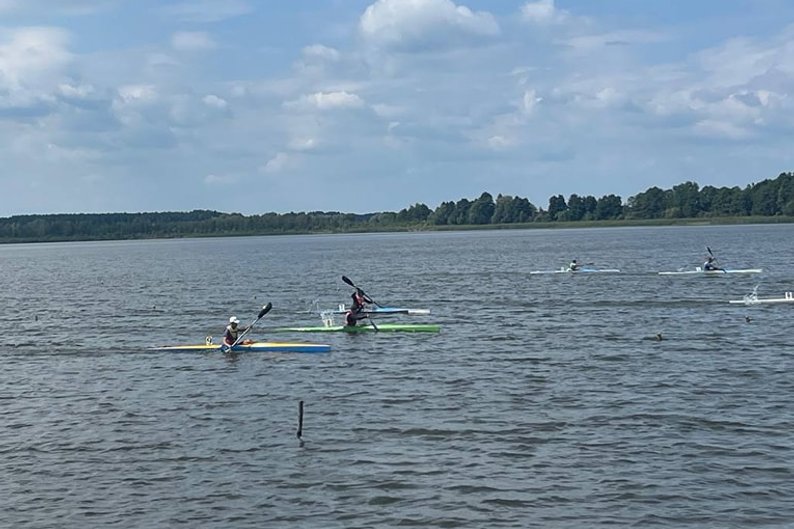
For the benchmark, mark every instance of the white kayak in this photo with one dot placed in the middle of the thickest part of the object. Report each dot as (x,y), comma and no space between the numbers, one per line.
(566,270)
(699,271)
(384,311)
(753,299)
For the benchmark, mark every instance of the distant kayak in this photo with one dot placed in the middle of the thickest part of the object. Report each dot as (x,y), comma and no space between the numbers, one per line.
(699,271)
(256,347)
(364,327)
(566,270)
(385,311)
(753,299)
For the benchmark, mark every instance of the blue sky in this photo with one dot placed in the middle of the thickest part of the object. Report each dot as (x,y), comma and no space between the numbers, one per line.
(361,106)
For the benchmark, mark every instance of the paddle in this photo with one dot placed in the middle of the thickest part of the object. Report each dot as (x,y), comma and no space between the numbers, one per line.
(712,256)
(225,348)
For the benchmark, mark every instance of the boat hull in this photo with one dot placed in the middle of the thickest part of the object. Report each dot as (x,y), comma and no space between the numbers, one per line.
(364,327)
(565,270)
(699,271)
(256,347)
(754,300)
(386,311)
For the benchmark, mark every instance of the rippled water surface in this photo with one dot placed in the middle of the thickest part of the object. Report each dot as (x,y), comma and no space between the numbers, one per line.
(545,401)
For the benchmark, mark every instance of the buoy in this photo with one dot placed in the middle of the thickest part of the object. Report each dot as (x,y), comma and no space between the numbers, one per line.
(300,419)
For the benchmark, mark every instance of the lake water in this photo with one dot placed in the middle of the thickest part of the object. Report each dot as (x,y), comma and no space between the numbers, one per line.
(544,402)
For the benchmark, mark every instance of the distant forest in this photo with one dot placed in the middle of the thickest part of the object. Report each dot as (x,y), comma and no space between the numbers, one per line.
(768,198)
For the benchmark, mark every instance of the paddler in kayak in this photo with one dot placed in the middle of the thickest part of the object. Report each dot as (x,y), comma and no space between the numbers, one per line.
(357,307)
(711,264)
(233,331)
(574,266)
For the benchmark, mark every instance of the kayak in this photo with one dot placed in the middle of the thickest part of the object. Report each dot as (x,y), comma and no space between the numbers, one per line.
(363,327)
(385,311)
(699,271)
(566,270)
(256,347)
(753,299)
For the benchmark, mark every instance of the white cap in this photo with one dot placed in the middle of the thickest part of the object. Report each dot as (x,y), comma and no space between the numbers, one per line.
(234,319)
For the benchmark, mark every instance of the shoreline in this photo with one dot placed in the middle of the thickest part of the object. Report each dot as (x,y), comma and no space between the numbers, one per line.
(549,225)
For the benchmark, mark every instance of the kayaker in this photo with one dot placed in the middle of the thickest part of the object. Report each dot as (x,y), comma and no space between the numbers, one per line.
(574,266)
(357,307)
(233,331)
(711,264)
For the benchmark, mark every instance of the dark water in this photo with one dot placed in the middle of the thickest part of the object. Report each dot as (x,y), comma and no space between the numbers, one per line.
(544,402)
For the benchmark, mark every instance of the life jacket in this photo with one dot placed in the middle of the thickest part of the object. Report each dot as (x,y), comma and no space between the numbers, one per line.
(230,336)
(359,301)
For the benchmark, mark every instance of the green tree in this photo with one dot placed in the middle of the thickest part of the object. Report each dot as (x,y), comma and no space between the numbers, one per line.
(684,201)
(442,214)
(649,204)
(609,207)
(557,207)
(416,213)
(481,210)
(461,214)
(576,207)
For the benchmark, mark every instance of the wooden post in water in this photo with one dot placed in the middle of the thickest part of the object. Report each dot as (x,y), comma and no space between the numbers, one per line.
(300,419)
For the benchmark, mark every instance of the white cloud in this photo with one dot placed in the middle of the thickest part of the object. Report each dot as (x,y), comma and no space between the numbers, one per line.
(137,93)
(530,101)
(318,51)
(614,38)
(498,142)
(280,162)
(715,128)
(76,91)
(302,144)
(32,55)
(543,12)
(327,101)
(387,111)
(424,24)
(214,101)
(739,60)
(219,179)
(192,41)
(60,154)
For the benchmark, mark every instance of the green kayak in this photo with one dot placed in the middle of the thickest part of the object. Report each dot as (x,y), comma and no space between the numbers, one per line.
(382,327)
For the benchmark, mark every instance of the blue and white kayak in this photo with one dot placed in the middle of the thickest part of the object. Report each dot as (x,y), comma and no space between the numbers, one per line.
(584,270)
(364,328)
(256,347)
(698,271)
(385,311)
(753,299)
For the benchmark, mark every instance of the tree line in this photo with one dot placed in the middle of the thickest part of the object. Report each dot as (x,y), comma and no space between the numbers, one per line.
(771,197)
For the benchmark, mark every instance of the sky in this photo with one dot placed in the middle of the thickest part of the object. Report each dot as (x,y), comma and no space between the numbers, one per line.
(362,106)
